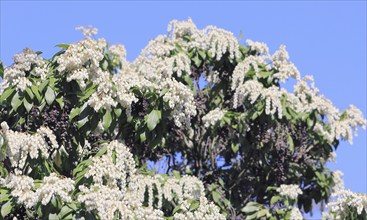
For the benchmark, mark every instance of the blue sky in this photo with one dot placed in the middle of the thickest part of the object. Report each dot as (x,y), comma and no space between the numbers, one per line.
(326,39)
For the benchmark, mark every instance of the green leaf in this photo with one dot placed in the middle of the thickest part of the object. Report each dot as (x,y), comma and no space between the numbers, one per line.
(261,213)
(52,216)
(202,54)
(249,209)
(16,101)
(50,95)
(61,102)
(290,144)
(263,74)
(105,65)
(176,209)
(36,92)
(253,216)
(29,92)
(7,93)
(107,119)
(65,212)
(235,147)
(274,199)
(197,60)
(82,122)
(194,205)
(153,119)
(6,209)
(4,197)
(143,137)
(63,46)
(216,197)
(74,112)
(28,106)
(118,112)
(1,70)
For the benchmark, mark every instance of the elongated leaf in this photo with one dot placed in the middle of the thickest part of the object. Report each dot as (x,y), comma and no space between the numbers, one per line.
(153,119)
(6,209)
(1,70)
(249,209)
(274,199)
(29,93)
(107,119)
(50,95)
(194,205)
(7,93)
(28,106)
(16,101)
(36,92)
(74,112)
(63,46)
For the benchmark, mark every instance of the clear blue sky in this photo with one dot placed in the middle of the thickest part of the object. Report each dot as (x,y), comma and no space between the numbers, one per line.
(326,39)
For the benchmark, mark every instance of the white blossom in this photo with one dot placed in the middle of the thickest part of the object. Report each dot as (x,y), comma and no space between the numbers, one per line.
(213,116)
(25,64)
(292,191)
(54,185)
(296,214)
(259,47)
(221,42)
(87,31)
(343,202)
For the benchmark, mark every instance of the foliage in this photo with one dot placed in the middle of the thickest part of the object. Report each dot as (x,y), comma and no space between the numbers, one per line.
(240,133)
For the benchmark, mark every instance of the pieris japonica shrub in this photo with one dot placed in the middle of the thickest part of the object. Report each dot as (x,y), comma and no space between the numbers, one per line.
(78,129)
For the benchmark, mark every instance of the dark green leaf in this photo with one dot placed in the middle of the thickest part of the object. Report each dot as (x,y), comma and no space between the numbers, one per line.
(36,92)
(1,70)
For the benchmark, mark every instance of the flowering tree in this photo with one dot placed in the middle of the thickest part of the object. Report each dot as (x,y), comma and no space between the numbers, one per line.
(77,131)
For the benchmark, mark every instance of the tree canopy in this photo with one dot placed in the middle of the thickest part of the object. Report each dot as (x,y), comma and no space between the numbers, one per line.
(78,129)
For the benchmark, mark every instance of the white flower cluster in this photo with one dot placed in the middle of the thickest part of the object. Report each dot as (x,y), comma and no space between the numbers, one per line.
(211,118)
(343,203)
(80,61)
(338,124)
(87,31)
(20,146)
(119,52)
(25,64)
(338,180)
(105,171)
(181,100)
(222,41)
(306,97)
(292,191)
(259,47)
(296,214)
(54,185)
(243,67)
(286,69)
(23,189)
(252,89)
(105,95)
(117,188)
